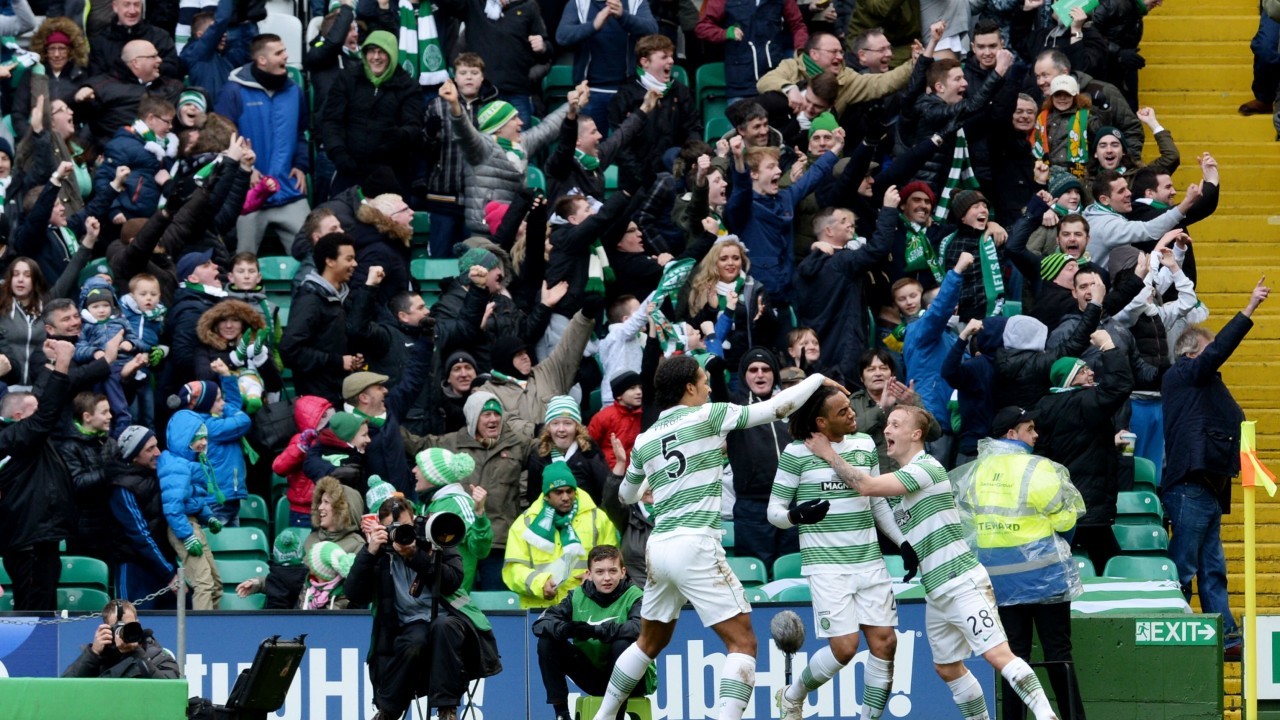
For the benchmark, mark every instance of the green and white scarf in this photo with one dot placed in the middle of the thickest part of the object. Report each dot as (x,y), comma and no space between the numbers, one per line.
(723,289)
(514,152)
(420,53)
(989,266)
(598,270)
(68,239)
(649,82)
(590,163)
(550,525)
(919,254)
(811,66)
(674,275)
(163,148)
(960,177)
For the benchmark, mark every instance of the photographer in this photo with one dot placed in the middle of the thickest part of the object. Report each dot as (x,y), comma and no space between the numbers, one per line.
(122,648)
(428,639)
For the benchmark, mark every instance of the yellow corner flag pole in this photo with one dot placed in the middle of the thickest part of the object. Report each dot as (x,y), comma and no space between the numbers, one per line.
(1251,472)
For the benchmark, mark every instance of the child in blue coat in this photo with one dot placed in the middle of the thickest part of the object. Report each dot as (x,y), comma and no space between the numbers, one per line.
(226,424)
(186,477)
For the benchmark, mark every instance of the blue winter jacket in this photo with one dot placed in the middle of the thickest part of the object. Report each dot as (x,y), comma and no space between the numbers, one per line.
(225,431)
(146,331)
(276,124)
(766,225)
(924,349)
(606,58)
(184,476)
(141,196)
(206,67)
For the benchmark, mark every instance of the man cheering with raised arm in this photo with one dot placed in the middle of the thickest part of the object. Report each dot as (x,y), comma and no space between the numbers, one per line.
(960,612)
(679,459)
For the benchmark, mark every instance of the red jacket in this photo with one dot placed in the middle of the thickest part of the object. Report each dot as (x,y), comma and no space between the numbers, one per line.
(307,413)
(617,419)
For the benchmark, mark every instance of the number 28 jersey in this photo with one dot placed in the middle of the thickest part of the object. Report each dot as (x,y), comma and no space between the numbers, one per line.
(681,458)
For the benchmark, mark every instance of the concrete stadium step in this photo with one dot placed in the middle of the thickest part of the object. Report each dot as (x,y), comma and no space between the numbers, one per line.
(1201,51)
(1185,24)
(1239,225)
(1195,100)
(1212,127)
(1185,76)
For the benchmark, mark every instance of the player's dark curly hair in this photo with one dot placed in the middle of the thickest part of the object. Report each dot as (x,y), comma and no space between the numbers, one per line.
(804,421)
(673,376)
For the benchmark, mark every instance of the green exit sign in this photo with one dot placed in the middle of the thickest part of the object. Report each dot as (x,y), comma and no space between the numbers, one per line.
(1180,631)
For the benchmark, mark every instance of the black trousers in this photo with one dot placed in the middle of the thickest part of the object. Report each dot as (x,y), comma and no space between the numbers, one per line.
(559,659)
(1052,622)
(1098,542)
(433,651)
(34,571)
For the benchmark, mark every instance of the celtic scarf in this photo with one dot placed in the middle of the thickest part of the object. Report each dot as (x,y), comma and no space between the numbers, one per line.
(598,270)
(649,82)
(919,254)
(989,266)
(68,239)
(160,147)
(549,525)
(514,152)
(1077,136)
(420,53)
(590,163)
(723,289)
(374,421)
(959,177)
(811,66)
(674,275)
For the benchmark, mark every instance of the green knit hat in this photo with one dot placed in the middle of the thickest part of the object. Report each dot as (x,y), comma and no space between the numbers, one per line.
(494,115)
(441,467)
(378,493)
(476,256)
(825,121)
(557,475)
(287,549)
(1051,265)
(562,406)
(327,560)
(493,405)
(1064,371)
(193,97)
(345,425)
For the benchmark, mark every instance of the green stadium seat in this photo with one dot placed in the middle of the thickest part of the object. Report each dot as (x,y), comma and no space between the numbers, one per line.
(239,543)
(279,486)
(680,75)
(726,527)
(595,402)
(713,108)
(495,600)
(1140,507)
(234,572)
(1012,307)
(433,271)
(281,516)
(6,602)
(711,83)
(787,566)
(751,571)
(716,128)
(253,513)
(1144,474)
(756,595)
(277,273)
(232,601)
(537,179)
(4,576)
(295,74)
(1085,566)
(84,572)
(1142,568)
(78,600)
(795,593)
(557,84)
(1141,539)
(897,568)
(421,223)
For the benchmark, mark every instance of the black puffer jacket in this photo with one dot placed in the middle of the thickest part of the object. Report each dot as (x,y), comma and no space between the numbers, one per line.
(1023,363)
(107,46)
(930,115)
(673,122)
(316,339)
(754,452)
(504,43)
(1076,430)
(181,336)
(365,127)
(85,457)
(142,528)
(38,496)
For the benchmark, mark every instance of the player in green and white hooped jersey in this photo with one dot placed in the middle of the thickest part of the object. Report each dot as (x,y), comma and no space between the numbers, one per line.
(840,554)
(678,458)
(960,613)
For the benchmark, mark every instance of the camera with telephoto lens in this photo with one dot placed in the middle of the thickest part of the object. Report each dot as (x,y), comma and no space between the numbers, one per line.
(440,529)
(129,632)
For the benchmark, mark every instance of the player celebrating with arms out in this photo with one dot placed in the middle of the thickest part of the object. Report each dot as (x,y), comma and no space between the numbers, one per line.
(839,551)
(679,459)
(960,610)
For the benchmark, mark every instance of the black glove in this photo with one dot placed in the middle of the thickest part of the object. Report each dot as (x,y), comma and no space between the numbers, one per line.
(583,631)
(909,559)
(592,306)
(1129,59)
(808,513)
(434,126)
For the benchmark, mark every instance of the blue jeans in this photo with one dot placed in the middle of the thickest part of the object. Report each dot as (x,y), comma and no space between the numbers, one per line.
(228,512)
(1196,546)
(598,106)
(523,106)
(299,519)
(1146,420)
(448,228)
